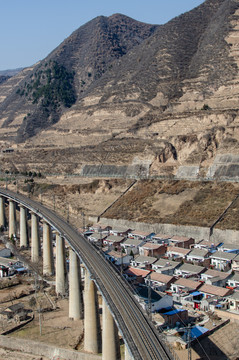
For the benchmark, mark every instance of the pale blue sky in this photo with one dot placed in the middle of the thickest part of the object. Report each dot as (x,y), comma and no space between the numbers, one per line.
(31,29)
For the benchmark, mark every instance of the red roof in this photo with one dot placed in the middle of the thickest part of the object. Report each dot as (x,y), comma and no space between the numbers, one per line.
(161,277)
(137,272)
(215,290)
(191,284)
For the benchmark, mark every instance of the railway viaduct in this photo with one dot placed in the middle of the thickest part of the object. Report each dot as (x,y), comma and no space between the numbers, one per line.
(121,311)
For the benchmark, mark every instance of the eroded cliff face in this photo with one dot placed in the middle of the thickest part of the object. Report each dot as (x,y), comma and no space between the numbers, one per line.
(166,97)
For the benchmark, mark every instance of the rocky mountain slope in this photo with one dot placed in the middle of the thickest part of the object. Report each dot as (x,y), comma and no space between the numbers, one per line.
(118,91)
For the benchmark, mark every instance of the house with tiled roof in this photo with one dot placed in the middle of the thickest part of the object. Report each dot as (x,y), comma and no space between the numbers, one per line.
(160,282)
(120,231)
(131,245)
(97,237)
(161,238)
(165,266)
(210,273)
(152,249)
(198,255)
(222,260)
(183,285)
(234,301)
(206,245)
(182,241)
(189,270)
(139,235)
(233,281)
(118,258)
(100,228)
(136,274)
(211,290)
(143,262)
(177,252)
(235,263)
(158,300)
(215,277)
(113,241)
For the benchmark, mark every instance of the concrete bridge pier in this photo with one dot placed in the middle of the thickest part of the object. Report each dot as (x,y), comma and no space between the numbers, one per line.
(23,227)
(35,238)
(12,219)
(110,338)
(48,265)
(75,295)
(92,338)
(2,211)
(60,265)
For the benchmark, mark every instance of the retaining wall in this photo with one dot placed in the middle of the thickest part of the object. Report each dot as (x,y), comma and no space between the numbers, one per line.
(41,349)
(196,232)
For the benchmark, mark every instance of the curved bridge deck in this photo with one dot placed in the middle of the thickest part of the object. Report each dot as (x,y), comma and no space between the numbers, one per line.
(138,332)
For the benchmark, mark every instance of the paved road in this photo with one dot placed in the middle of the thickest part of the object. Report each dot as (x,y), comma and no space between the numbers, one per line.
(139,333)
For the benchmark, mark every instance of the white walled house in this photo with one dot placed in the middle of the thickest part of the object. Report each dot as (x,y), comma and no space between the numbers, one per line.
(206,245)
(198,255)
(132,245)
(161,238)
(222,260)
(189,270)
(118,258)
(177,252)
(165,266)
(234,301)
(97,237)
(183,285)
(120,231)
(233,281)
(215,277)
(143,261)
(113,241)
(159,300)
(159,282)
(235,263)
(211,290)
(152,249)
(139,235)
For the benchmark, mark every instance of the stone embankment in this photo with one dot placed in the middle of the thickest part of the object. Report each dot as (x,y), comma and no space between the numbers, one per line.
(42,349)
(197,232)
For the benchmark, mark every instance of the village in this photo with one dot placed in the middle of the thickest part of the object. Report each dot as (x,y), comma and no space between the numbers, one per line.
(175,278)
(186,288)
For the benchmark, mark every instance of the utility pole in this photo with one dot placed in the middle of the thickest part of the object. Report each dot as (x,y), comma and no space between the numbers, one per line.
(83,220)
(121,261)
(189,343)
(54,202)
(149,298)
(68,214)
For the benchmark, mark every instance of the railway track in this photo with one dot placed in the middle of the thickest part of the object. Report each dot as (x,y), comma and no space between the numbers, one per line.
(140,334)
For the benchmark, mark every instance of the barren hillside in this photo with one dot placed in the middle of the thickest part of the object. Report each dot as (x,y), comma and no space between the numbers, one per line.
(118,91)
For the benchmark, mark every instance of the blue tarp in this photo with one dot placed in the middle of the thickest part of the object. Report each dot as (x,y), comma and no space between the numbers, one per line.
(196,293)
(21,269)
(176,311)
(198,331)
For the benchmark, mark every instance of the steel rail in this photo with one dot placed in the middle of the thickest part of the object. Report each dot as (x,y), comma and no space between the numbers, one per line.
(138,332)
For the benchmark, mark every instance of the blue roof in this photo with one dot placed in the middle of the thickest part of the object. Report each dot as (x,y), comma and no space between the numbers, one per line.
(176,311)
(195,293)
(21,269)
(197,331)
